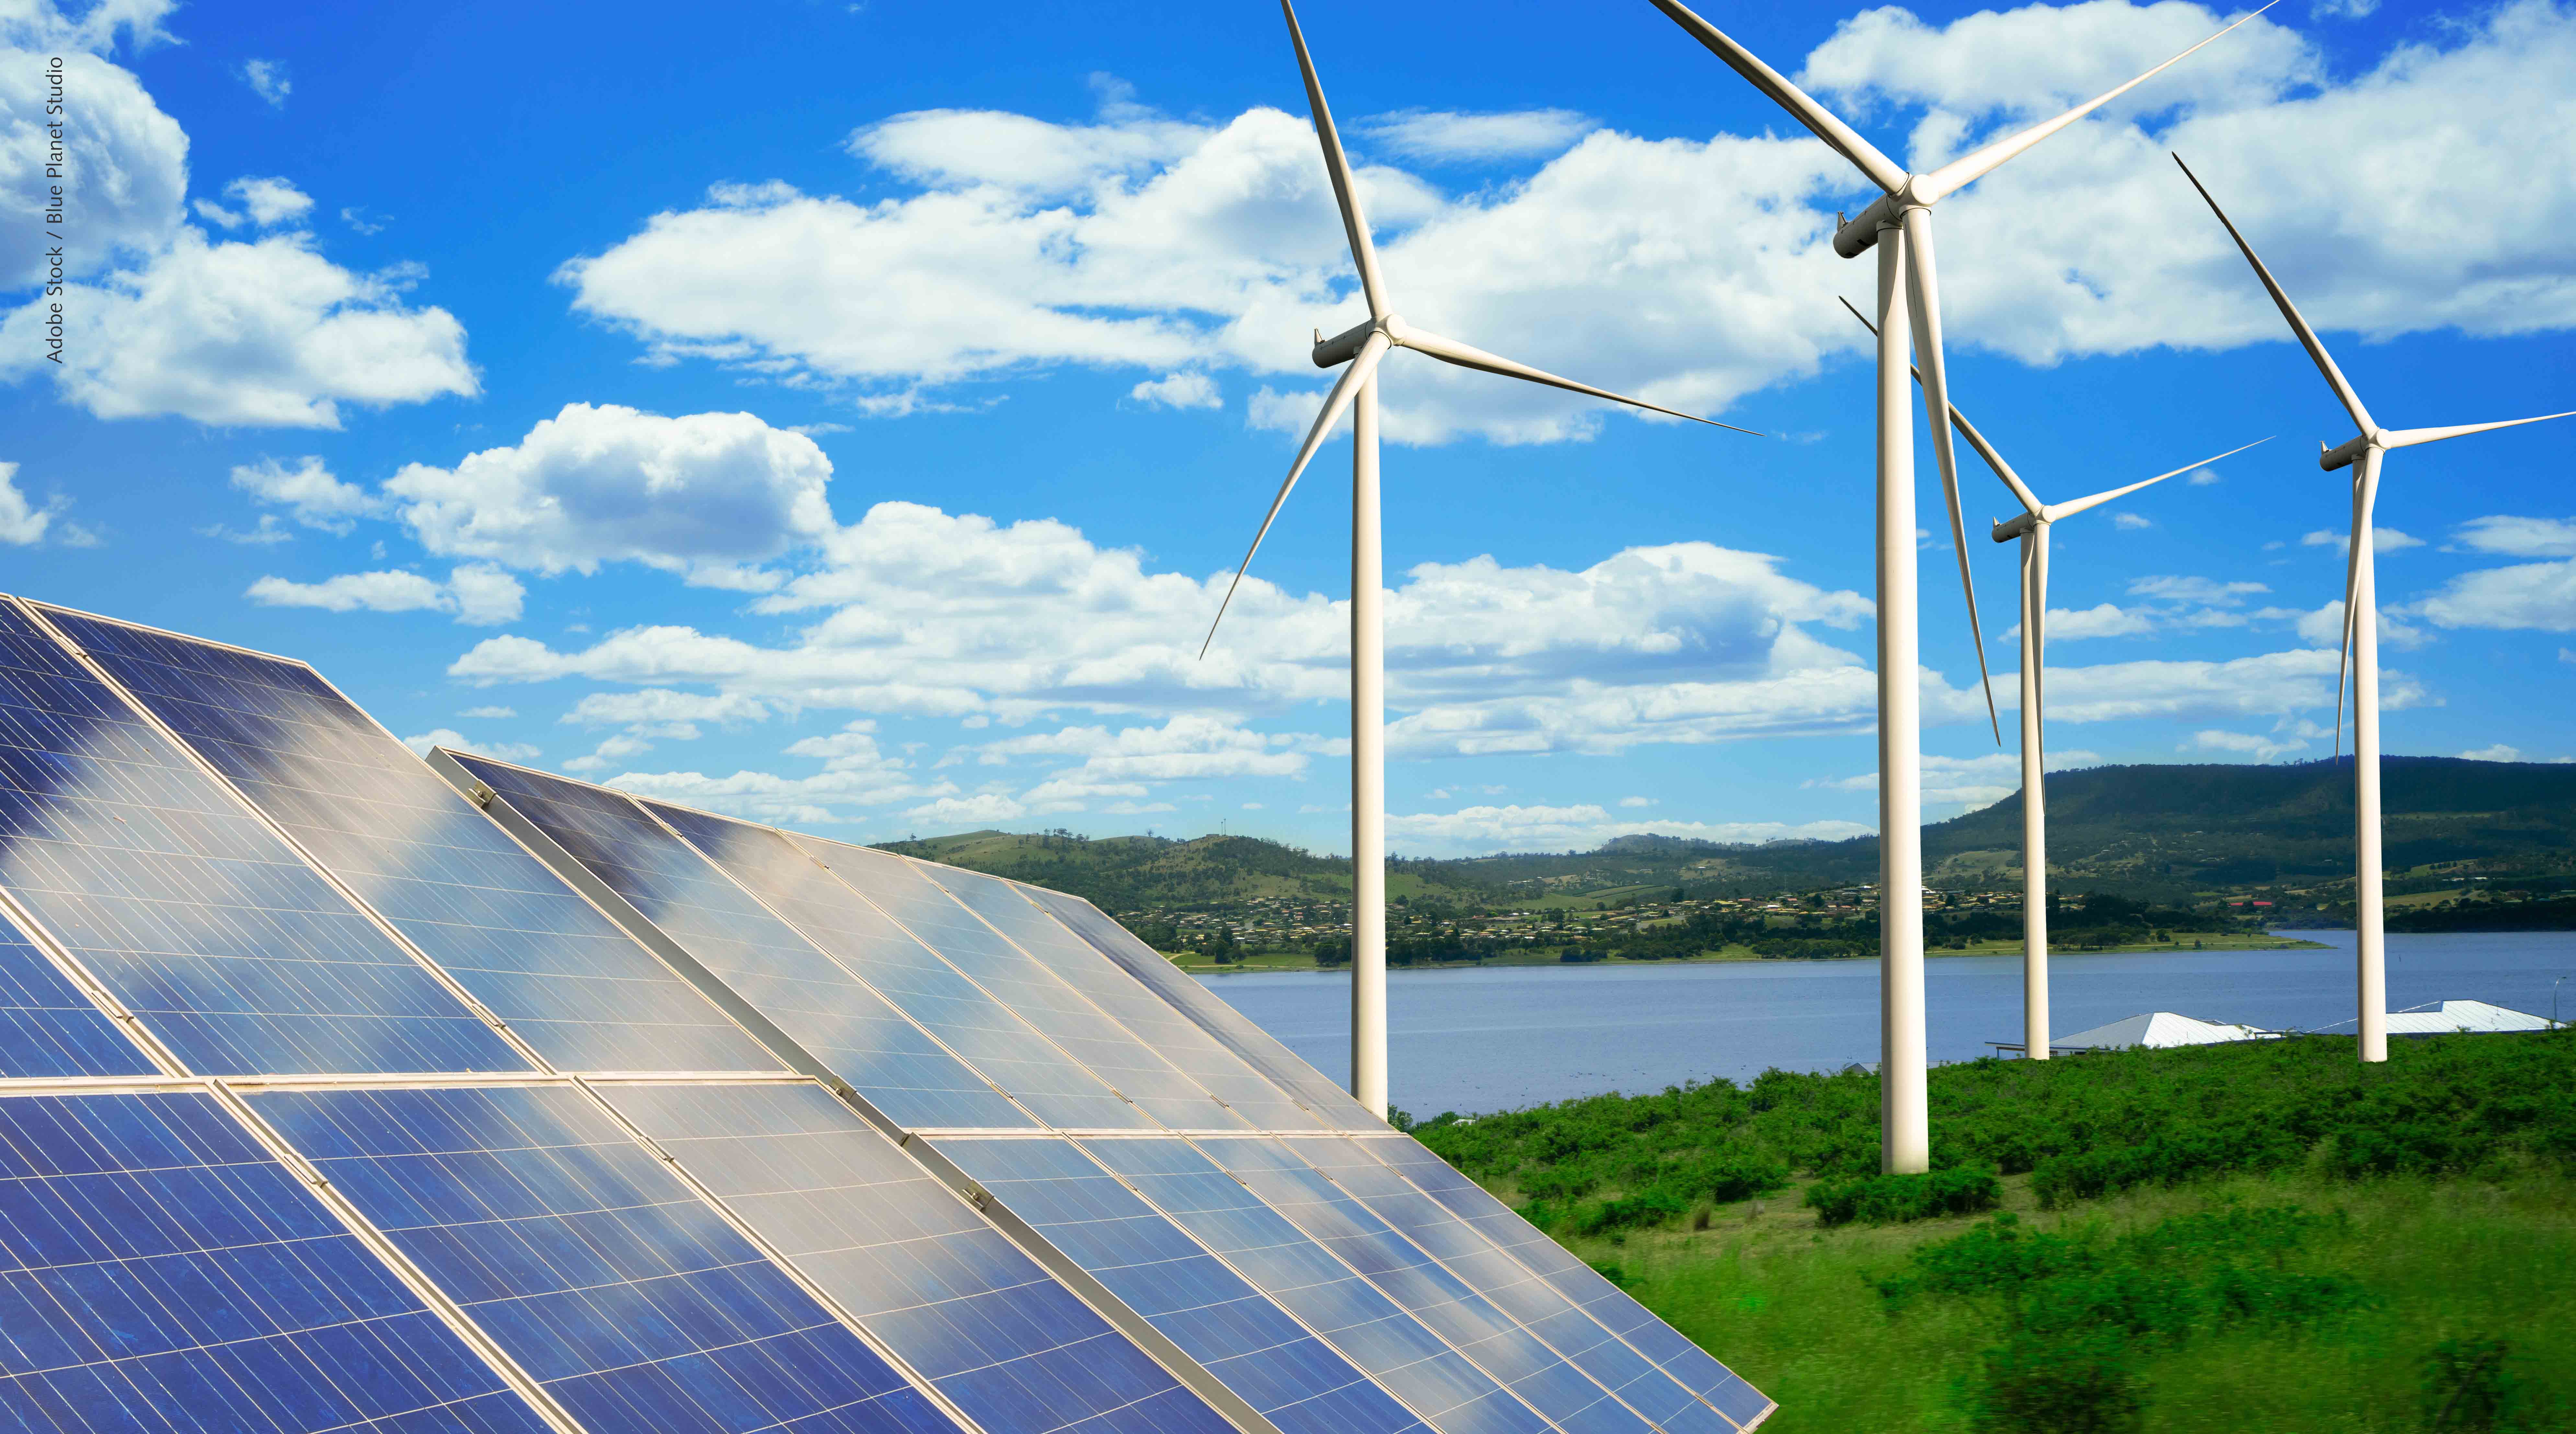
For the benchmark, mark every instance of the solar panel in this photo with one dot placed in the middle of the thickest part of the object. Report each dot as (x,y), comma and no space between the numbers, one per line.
(1442,1384)
(47,1027)
(1469,1320)
(1466,1254)
(868,943)
(928,1276)
(230,949)
(1035,994)
(1686,1362)
(1073,961)
(507,929)
(160,1271)
(848,1027)
(1295,1380)
(622,1293)
(1257,1047)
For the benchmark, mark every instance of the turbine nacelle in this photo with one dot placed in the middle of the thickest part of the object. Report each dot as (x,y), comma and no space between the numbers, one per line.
(1858,234)
(1343,347)
(2018,526)
(2345,454)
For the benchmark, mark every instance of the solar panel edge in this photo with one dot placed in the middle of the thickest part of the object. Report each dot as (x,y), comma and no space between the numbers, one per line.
(146,717)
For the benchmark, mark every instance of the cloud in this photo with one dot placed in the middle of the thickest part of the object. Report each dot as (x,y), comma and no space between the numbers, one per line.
(709,496)
(477,593)
(309,493)
(267,79)
(2099,620)
(831,796)
(2131,521)
(1626,801)
(2203,477)
(131,158)
(265,203)
(2538,596)
(2520,537)
(2208,592)
(1448,136)
(1178,390)
(1524,828)
(2323,626)
(492,713)
(2245,744)
(2382,540)
(456,741)
(2497,753)
(22,523)
(1969,783)
(664,709)
(265,334)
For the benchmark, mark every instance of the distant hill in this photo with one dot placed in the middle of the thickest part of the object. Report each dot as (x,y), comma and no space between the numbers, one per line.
(2149,830)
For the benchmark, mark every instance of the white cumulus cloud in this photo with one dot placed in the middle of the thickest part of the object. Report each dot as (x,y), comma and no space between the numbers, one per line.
(478,594)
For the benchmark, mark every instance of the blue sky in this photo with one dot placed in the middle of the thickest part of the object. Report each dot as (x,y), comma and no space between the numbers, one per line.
(849,418)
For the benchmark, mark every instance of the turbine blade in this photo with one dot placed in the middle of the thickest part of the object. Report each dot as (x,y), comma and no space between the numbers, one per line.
(2065,510)
(2298,325)
(1468,356)
(2409,437)
(1967,169)
(2021,491)
(1338,166)
(1345,389)
(1886,173)
(1923,287)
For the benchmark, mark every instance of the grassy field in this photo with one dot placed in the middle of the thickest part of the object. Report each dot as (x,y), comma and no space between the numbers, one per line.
(2262,1237)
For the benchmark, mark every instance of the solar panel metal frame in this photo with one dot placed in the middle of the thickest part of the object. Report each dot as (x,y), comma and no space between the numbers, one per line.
(61,951)
(455,987)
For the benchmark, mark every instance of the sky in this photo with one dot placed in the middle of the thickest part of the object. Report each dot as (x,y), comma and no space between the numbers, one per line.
(850,418)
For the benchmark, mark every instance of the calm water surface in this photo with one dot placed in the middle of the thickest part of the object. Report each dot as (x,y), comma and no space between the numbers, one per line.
(1481,1039)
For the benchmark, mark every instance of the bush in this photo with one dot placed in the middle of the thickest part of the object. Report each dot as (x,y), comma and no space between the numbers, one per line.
(1891,1199)
(2472,1384)
(2080,1383)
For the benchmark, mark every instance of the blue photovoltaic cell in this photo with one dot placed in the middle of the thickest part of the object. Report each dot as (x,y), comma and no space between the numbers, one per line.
(1686,1362)
(1378,1196)
(628,1298)
(160,1272)
(1073,960)
(936,1284)
(1227,1026)
(867,942)
(822,1007)
(511,933)
(1449,1306)
(234,952)
(1230,1328)
(1031,991)
(47,1027)
(1437,1382)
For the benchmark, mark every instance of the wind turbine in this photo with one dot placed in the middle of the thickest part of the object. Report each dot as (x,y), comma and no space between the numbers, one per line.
(2362,453)
(1899,222)
(1362,347)
(2032,528)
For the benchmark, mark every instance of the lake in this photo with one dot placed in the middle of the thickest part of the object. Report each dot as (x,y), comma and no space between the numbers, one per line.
(1475,1039)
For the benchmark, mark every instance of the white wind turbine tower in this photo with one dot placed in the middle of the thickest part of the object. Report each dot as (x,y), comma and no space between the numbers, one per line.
(1899,222)
(2362,453)
(1362,348)
(2032,528)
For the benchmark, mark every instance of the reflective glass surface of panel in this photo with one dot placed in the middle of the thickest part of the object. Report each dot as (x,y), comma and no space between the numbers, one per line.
(160,1271)
(526,945)
(1035,994)
(47,1027)
(1258,1048)
(820,1005)
(1074,961)
(868,943)
(1436,1381)
(616,1287)
(229,947)
(940,1287)
(1464,1317)
(1611,1306)
(1234,1332)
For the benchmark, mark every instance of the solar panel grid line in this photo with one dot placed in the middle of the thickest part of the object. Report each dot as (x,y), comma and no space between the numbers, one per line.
(1517,1355)
(143,713)
(413,1278)
(1258,1101)
(778,1257)
(1614,1309)
(1089,1287)
(644,928)
(830,952)
(1048,982)
(652,937)
(70,967)
(441,903)
(1572,1336)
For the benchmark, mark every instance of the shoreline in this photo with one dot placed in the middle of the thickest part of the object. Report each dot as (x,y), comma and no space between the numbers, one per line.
(1284,962)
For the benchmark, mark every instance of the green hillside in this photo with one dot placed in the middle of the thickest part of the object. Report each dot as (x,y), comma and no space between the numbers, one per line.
(1159,873)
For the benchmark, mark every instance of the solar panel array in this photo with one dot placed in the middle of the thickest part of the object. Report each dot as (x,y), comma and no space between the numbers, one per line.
(340,1090)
